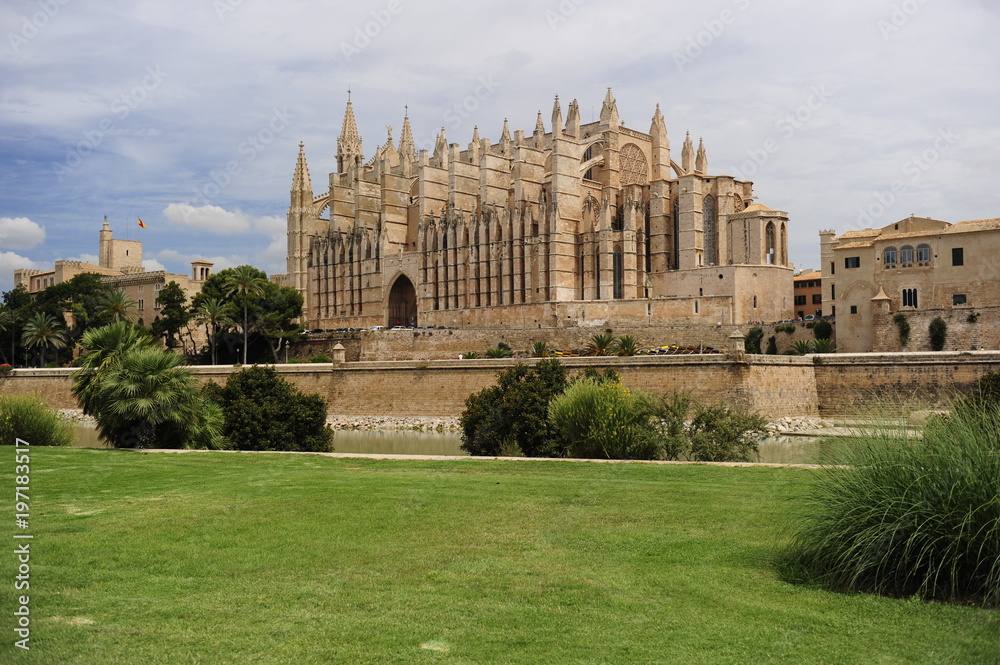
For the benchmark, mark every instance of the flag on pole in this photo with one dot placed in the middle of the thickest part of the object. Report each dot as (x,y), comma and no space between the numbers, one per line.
(141,225)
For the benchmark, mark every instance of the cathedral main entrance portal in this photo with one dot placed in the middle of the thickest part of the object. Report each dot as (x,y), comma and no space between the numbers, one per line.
(402,303)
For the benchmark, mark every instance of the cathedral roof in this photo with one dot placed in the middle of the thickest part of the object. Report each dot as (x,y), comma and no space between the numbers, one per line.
(757,207)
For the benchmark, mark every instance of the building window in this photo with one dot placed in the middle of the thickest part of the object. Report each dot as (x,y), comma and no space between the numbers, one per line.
(923,255)
(800,300)
(852,262)
(833,267)
(909,298)
(889,257)
(695,306)
(906,256)
(958,299)
(142,303)
(957,256)
(833,292)
(817,298)
(755,302)
(854,309)
(157,287)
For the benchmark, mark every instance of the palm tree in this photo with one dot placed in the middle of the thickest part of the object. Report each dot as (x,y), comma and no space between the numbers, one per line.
(626,345)
(803,346)
(117,306)
(103,348)
(215,313)
(245,281)
(539,350)
(43,330)
(600,345)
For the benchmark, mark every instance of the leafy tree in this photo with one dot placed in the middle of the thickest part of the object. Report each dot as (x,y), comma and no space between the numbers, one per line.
(243,283)
(511,418)
(938,332)
(263,411)
(173,314)
(772,346)
(275,315)
(904,328)
(753,340)
(104,348)
(822,329)
(43,331)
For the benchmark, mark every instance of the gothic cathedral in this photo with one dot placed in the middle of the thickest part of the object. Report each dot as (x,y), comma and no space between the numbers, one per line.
(586,224)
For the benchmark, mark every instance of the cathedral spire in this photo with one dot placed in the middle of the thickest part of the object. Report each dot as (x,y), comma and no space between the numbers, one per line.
(658,129)
(609,111)
(349,142)
(660,152)
(505,139)
(701,161)
(557,120)
(573,120)
(301,183)
(407,149)
(687,154)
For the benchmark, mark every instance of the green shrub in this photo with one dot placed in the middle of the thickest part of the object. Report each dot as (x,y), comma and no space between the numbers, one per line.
(626,345)
(263,411)
(904,328)
(810,325)
(938,332)
(691,431)
(539,350)
(27,418)
(905,517)
(772,346)
(321,358)
(502,350)
(822,329)
(512,416)
(604,420)
(823,346)
(754,337)
(785,328)
(803,346)
(973,317)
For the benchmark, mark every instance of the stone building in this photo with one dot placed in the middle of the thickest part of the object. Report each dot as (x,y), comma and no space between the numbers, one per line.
(916,266)
(808,294)
(581,224)
(120,266)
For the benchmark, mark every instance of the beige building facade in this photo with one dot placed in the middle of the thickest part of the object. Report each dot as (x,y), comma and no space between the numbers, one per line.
(578,224)
(912,266)
(120,266)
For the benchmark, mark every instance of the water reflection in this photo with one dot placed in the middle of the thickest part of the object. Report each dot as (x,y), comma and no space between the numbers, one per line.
(775,450)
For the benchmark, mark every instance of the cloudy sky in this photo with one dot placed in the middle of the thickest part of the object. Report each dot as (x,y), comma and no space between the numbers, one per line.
(188,113)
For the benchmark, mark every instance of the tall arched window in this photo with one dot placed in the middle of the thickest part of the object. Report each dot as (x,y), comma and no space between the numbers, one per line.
(711,231)
(784,245)
(619,274)
(923,255)
(769,244)
(676,240)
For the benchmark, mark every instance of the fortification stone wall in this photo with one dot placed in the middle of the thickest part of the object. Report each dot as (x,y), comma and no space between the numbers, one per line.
(969,329)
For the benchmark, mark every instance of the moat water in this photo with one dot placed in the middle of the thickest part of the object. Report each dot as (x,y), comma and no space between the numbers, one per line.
(778,449)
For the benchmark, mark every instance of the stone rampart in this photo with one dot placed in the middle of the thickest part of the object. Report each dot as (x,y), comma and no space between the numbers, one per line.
(829,384)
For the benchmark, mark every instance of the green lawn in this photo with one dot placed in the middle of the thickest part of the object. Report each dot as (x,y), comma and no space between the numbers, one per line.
(293,559)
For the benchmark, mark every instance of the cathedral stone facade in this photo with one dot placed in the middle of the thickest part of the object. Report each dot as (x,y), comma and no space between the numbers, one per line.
(583,224)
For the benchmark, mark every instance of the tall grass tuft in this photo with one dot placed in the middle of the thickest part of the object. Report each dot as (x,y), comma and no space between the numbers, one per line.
(26,417)
(909,517)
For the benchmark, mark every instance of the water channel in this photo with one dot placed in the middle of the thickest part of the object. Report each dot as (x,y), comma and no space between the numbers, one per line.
(778,449)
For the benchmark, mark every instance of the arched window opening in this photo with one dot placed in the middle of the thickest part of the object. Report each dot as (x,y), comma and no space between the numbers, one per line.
(923,255)
(648,243)
(769,243)
(906,256)
(676,240)
(889,256)
(402,303)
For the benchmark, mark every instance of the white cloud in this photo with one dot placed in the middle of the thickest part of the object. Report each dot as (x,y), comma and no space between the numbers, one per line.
(207,218)
(152,265)
(181,262)
(20,233)
(9,261)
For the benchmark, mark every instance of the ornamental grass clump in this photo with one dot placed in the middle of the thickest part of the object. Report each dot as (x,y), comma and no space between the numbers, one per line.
(909,516)
(27,418)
